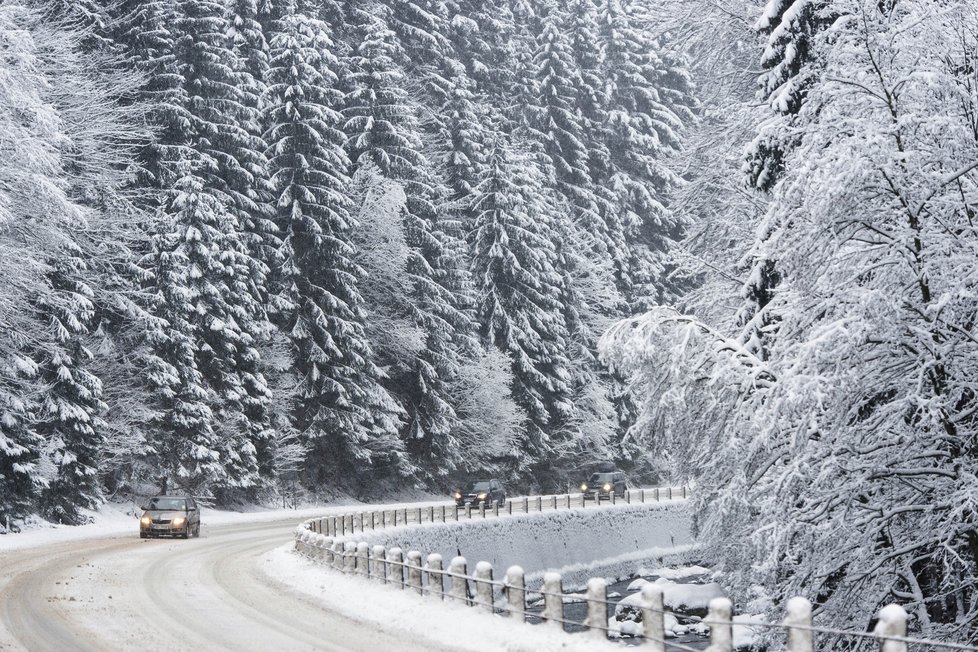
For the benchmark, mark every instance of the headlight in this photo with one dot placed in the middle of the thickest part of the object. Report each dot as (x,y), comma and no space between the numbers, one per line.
(145,520)
(607,487)
(482,496)
(583,487)
(178,521)
(458,496)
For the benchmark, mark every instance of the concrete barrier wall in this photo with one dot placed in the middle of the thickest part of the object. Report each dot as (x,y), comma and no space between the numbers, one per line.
(548,540)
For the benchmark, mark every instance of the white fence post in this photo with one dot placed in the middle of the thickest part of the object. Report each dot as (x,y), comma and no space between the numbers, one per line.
(516,592)
(337,555)
(395,566)
(553,599)
(379,569)
(460,583)
(363,558)
(597,607)
(435,576)
(653,617)
(798,620)
(350,557)
(485,597)
(892,622)
(414,570)
(721,627)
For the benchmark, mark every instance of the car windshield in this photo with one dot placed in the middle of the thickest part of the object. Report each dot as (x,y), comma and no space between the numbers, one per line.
(178,504)
(598,478)
(478,485)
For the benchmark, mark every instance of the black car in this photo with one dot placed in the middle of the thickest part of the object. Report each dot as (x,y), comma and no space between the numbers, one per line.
(603,484)
(175,516)
(480,492)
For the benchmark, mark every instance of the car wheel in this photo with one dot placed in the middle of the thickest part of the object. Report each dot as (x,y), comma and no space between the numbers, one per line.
(186,533)
(143,535)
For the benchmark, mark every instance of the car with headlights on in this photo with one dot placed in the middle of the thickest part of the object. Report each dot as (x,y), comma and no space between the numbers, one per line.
(171,516)
(480,492)
(604,484)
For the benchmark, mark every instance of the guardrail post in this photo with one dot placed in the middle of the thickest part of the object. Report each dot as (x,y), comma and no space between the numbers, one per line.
(555,502)
(526,505)
(482,509)
(721,626)
(419,516)
(337,555)
(363,558)
(892,622)
(379,569)
(431,514)
(798,620)
(509,507)
(483,586)
(656,494)
(435,576)
(628,496)
(597,607)
(468,511)
(360,515)
(414,571)
(653,617)
(516,592)
(460,583)
(405,516)
(684,492)
(326,550)
(539,503)
(495,509)
(395,567)
(670,492)
(568,501)
(349,557)
(553,599)
(614,495)
(442,513)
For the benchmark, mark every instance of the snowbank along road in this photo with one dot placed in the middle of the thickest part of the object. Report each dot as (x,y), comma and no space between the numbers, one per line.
(123,593)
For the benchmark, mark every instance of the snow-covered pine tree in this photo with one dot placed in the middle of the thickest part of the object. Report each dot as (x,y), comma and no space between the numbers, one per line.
(69,414)
(197,259)
(463,129)
(520,291)
(644,127)
(790,68)
(479,31)
(342,409)
(146,34)
(556,122)
(215,155)
(383,132)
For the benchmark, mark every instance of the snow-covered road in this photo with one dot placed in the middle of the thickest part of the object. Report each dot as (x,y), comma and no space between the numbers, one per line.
(123,593)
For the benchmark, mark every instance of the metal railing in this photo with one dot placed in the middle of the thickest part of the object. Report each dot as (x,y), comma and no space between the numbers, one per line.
(370,520)
(508,597)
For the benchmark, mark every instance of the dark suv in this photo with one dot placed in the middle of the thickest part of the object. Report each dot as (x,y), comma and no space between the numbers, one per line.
(175,516)
(603,484)
(480,492)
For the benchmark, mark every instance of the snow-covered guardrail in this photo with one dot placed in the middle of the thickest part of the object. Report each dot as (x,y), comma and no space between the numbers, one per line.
(350,523)
(327,540)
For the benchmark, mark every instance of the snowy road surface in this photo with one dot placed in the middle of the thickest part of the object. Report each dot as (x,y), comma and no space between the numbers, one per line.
(209,593)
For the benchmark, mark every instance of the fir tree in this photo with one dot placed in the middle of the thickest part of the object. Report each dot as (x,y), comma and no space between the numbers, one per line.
(69,415)
(383,131)
(351,420)
(644,126)
(520,290)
